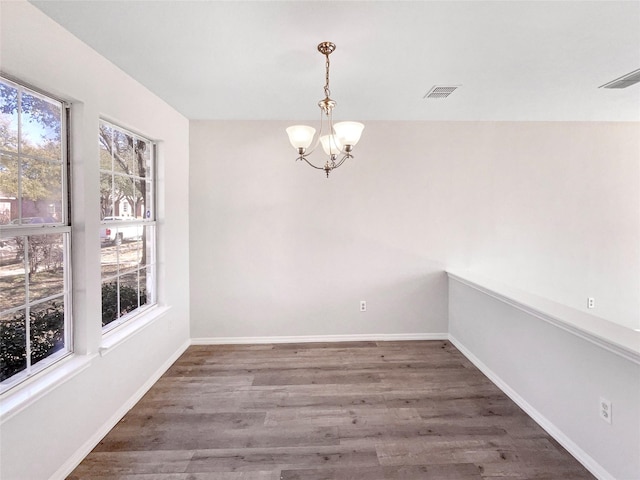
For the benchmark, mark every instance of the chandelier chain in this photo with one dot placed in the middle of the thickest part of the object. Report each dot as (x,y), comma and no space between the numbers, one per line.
(327,92)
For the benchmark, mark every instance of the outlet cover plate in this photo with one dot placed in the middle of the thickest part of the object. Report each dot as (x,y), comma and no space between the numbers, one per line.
(605,410)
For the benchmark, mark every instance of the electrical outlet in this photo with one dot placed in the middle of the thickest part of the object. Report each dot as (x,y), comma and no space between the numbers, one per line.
(605,410)
(363,306)
(591,302)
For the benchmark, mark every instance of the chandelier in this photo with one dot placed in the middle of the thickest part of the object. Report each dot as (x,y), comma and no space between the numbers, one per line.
(338,140)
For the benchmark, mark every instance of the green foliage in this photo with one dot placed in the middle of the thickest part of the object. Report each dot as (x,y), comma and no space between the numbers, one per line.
(35,107)
(47,331)
(109,302)
(130,157)
(128,301)
(45,252)
(43,184)
(114,188)
(47,328)
(40,171)
(13,355)
(47,337)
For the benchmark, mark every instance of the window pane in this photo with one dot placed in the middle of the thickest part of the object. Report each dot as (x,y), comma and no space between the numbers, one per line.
(108,257)
(13,344)
(139,199)
(46,268)
(46,329)
(144,288)
(128,293)
(40,122)
(143,158)
(5,209)
(8,118)
(148,201)
(106,161)
(41,191)
(105,139)
(130,249)
(9,173)
(129,195)
(106,195)
(122,188)
(109,302)
(12,273)
(122,153)
(149,254)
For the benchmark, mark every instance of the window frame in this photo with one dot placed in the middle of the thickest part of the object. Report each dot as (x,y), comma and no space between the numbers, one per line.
(27,230)
(147,223)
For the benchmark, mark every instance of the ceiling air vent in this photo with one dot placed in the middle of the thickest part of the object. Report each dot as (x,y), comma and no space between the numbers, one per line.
(440,91)
(624,81)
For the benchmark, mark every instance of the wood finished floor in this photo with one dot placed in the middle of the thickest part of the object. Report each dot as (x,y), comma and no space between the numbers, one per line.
(365,410)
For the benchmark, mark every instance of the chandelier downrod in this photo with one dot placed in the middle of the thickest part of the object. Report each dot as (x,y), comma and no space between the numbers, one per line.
(326,48)
(341,137)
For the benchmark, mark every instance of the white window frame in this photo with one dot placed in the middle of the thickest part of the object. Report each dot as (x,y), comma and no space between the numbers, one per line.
(62,227)
(148,223)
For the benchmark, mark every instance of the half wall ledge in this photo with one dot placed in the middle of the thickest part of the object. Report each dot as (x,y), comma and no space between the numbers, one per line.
(616,338)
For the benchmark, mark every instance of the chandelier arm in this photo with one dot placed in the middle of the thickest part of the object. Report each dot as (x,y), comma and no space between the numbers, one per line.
(342,160)
(310,150)
(309,163)
(342,150)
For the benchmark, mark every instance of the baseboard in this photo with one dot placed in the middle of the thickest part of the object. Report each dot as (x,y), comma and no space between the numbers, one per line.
(90,444)
(382,337)
(589,463)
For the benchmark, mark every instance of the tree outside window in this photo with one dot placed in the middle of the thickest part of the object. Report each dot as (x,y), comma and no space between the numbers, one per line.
(35,327)
(127,230)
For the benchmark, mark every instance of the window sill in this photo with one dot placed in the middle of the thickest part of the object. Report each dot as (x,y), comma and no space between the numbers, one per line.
(19,398)
(120,334)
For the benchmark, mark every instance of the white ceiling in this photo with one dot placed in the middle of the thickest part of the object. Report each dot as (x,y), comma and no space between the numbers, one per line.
(514,60)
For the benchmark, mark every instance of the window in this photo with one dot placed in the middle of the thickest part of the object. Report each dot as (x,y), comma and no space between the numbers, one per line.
(35,299)
(128,227)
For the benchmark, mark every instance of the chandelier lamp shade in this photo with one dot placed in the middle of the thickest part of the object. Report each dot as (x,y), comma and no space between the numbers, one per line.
(337,139)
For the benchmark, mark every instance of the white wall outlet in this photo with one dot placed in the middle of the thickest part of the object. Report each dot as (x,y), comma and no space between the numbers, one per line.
(363,305)
(605,410)
(591,302)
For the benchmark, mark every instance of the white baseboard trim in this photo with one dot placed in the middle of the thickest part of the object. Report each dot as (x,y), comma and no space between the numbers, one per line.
(382,337)
(589,463)
(90,444)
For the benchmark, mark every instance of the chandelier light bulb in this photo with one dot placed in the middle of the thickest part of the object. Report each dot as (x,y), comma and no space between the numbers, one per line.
(339,139)
(301,136)
(348,132)
(331,145)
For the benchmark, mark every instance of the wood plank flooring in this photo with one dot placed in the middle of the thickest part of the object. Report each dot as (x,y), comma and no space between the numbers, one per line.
(361,410)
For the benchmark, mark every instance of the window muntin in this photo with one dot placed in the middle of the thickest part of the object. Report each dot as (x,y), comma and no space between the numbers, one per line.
(128,229)
(35,315)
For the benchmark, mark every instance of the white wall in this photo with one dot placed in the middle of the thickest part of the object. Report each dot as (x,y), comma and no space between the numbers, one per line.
(37,441)
(551,208)
(562,211)
(558,377)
